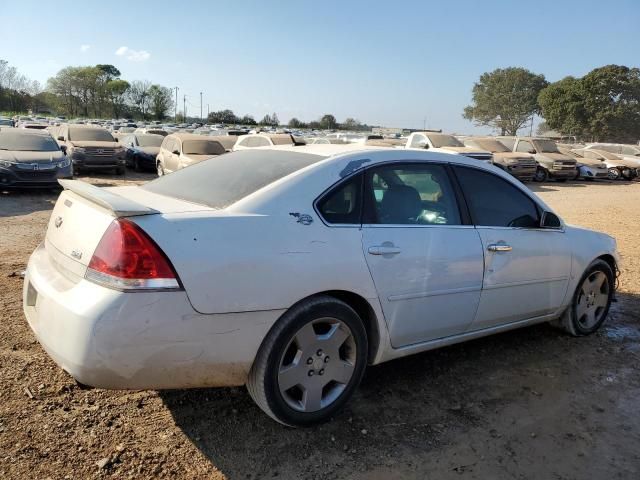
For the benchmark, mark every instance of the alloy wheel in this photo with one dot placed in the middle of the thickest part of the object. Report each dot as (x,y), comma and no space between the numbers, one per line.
(317,365)
(592,300)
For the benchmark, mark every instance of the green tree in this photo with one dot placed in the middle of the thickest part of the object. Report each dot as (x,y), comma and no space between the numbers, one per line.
(562,106)
(295,123)
(117,91)
(247,120)
(505,99)
(328,122)
(266,120)
(604,105)
(161,101)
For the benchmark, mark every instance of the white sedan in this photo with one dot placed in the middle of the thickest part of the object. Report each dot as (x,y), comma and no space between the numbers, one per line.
(291,269)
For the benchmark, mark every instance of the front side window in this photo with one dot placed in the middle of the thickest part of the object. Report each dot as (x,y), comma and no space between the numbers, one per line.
(411,194)
(343,204)
(494,202)
(418,141)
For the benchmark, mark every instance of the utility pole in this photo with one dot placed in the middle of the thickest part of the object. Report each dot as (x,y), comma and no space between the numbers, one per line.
(208,112)
(175,115)
(531,128)
(184,108)
(200,107)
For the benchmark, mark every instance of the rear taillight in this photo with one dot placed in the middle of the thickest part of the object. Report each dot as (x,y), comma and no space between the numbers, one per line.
(127,259)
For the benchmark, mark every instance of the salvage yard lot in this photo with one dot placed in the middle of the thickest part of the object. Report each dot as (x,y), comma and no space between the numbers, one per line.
(532,403)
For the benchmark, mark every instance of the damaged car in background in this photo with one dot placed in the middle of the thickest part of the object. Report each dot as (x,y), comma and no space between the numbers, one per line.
(285,269)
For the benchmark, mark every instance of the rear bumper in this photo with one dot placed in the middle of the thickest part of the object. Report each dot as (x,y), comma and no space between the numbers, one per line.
(110,339)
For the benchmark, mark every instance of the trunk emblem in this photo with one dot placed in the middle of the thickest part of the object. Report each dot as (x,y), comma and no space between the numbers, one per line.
(77,254)
(58,222)
(35,166)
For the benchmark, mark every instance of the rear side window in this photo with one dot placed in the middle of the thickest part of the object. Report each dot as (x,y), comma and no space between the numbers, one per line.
(343,204)
(494,202)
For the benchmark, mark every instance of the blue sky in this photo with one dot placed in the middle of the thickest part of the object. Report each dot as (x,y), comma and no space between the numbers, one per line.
(389,63)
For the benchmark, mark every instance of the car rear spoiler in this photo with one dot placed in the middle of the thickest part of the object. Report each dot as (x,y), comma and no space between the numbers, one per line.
(120,206)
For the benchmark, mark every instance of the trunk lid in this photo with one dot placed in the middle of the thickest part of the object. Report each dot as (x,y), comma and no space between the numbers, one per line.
(83,212)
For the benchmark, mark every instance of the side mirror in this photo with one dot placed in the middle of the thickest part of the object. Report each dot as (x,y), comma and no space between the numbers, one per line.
(532,152)
(176,152)
(116,139)
(61,138)
(550,220)
(64,149)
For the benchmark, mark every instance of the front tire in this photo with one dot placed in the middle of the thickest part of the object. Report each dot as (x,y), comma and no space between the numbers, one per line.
(614,173)
(591,301)
(160,169)
(310,363)
(541,175)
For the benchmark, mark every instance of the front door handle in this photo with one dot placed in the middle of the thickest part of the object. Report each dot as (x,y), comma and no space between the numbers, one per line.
(384,250)
(499,247)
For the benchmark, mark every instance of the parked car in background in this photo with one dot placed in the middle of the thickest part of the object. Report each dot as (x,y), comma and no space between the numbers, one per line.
(152,130)
(179,150)
(588,168)
(618,168)
(263,140)
(521,165)
(291,269)
(323,141)
(141,150)
(440,142)
(33,125)
(551,162)
(90,147)
(31,158)
(6,122)
(617,148)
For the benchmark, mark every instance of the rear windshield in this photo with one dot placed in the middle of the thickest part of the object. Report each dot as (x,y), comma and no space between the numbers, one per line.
(492,146)
(90,135)
(150,140)
(222,181)
(16,140)
(439,141)
(282,140)
(202,147)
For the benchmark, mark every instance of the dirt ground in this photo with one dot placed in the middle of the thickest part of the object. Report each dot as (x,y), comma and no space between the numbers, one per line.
(528,404)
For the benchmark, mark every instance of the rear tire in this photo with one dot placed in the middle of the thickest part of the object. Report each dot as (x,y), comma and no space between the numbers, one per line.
(561,180)
(310,363)
(120,171)
(591,301)
(136,164)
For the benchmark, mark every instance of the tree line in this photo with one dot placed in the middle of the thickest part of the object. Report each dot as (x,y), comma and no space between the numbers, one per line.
(604,105)
(91,91)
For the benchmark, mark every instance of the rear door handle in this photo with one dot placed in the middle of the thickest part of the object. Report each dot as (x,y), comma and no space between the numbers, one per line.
(499,247)
(384,250)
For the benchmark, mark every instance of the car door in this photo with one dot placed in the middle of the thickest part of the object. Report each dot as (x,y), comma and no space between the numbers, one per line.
(425,262)
(170,158)
(526,268)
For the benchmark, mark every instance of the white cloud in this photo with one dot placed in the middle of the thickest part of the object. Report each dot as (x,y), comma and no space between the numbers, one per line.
(84,48)
(133,55)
